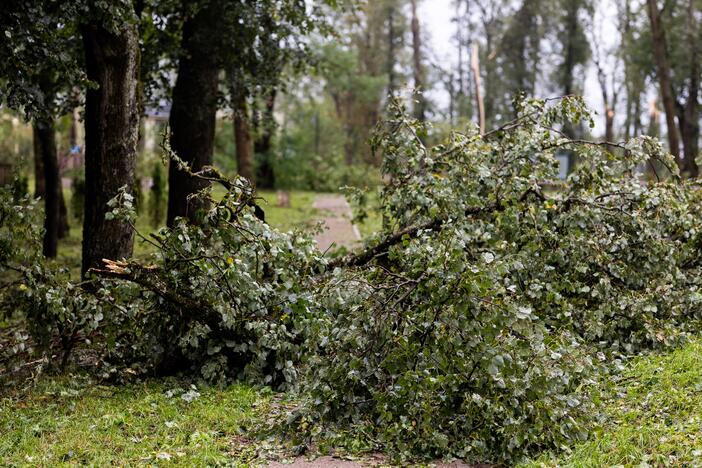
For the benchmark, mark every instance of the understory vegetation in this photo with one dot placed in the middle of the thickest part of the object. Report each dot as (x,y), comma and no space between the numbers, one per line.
(479,323)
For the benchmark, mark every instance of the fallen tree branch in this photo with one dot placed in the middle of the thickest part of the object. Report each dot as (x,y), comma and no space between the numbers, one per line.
(366,256)
(147,277)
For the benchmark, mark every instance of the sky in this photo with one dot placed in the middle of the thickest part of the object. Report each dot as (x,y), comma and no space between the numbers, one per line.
(435,16)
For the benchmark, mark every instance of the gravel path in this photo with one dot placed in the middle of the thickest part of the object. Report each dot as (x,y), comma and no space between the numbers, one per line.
(336,215)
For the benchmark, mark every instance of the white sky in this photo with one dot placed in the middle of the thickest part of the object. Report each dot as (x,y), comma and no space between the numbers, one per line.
(435,17)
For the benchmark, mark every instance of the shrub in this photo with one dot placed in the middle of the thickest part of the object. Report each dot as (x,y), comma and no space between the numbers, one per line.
(54,309)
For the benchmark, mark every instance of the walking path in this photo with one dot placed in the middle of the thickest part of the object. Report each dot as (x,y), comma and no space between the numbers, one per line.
(338,230)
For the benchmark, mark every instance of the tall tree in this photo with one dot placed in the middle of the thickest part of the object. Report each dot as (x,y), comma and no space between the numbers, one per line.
(520,48)
(689,109)
(111,127)
(418,67)
(608,63)
(194,107)
(264,127)
(38,65)
(675,35)
(658,36)
(242,136)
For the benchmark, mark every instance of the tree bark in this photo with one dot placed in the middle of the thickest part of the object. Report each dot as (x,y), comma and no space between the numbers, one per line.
(112,128)
(660,56)
(193,113)
(45,141)
(39,183)
(263,144)
(40,179)
(391,50)
(475,66)
(242,137)
(689,114)
(64,227)
(420,103)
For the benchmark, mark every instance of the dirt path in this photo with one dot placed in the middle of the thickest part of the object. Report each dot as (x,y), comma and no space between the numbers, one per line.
(336,215)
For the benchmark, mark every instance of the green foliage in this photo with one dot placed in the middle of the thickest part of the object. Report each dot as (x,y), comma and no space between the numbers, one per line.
(474,324)
(477,333)
(40,292)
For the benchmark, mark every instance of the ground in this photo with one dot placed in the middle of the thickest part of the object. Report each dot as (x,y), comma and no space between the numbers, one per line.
(338,231)
(653,415)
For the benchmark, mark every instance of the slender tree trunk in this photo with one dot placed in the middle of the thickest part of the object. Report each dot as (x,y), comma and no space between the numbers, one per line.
(40,180)
(475,65)
(688,117)
(263,144)
(661,58)
(420,104)
(242,139)
(609,124)
(39,183)
(193,113)
(391,50)
(112,128)
(689,114)
(45,134)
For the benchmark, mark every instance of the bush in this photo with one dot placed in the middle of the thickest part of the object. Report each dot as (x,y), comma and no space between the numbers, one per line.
(54,309)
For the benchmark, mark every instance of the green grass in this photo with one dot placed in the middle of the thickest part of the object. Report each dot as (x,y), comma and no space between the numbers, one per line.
(300,214)
(374,221)
(67,422)
(654,414)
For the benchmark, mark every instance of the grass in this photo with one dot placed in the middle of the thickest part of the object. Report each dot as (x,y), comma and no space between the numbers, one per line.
(654,418)
(654,414)
(65,421)
(300,214)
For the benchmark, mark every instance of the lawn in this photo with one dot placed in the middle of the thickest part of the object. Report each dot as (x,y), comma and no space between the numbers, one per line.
(71,421)
(654,415)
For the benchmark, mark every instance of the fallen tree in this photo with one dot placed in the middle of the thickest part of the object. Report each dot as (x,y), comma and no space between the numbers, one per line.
(473,325)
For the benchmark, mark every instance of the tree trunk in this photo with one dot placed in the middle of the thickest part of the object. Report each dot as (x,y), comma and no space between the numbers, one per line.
(242,137)
(263,144)
(40,180)
(193,113)
(661,58)
(609,124)
(45,134)
(391,50)
(689,115)
(420,103)
(111,132)
(64,227)
(39,183)
(475,66)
